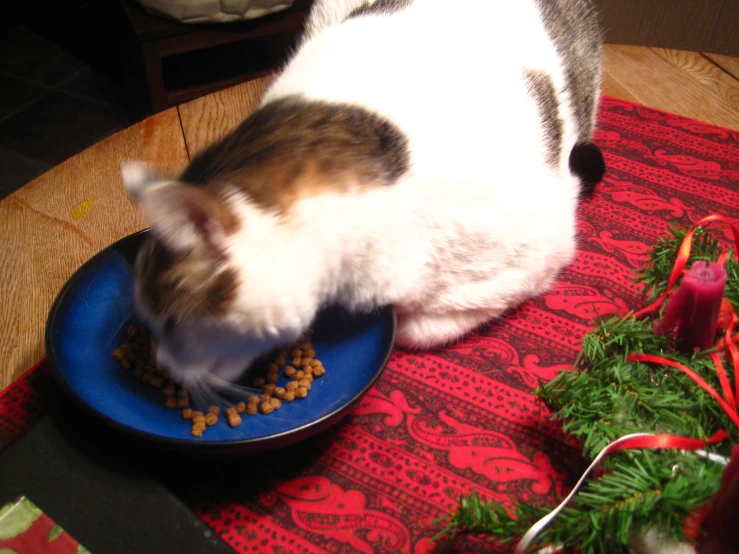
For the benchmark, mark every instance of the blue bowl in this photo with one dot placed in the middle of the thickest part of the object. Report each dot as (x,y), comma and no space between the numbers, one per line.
(89,319)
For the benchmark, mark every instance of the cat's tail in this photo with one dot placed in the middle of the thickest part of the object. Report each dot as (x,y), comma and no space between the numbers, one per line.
(586,161)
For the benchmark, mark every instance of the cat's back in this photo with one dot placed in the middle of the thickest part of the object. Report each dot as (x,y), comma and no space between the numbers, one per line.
(417,49)
(454,69)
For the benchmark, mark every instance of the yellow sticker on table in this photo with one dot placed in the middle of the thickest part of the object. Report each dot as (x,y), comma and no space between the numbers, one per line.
(81,209)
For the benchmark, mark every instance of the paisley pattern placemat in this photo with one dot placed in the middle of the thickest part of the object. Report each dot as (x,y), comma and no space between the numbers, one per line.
(438,424)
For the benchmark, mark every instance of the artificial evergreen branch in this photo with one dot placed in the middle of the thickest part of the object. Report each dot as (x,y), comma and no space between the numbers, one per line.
(606,397)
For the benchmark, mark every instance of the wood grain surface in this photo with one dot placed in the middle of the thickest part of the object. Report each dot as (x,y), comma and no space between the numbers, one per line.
(209,118)
(57,222)
(727,63)
(54,224)
(675,81)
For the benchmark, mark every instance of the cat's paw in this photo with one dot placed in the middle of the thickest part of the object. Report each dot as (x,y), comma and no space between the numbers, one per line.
(427,331)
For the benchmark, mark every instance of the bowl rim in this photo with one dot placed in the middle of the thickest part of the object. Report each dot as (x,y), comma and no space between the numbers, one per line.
(257,444)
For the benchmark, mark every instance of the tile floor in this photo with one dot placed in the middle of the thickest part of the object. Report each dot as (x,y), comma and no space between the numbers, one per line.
(52,106)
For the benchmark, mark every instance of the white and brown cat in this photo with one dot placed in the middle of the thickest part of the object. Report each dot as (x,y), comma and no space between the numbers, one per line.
(421,153)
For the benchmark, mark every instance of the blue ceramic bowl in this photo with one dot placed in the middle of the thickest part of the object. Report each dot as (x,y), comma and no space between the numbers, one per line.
(88,321)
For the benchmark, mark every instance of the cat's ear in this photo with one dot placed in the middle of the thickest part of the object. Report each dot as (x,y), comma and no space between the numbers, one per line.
(184,217)
(138,176)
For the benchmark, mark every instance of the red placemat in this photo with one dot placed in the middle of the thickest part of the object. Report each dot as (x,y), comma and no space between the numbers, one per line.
(438,424)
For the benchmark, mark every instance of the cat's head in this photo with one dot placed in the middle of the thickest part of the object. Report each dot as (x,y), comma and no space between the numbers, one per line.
(191,286)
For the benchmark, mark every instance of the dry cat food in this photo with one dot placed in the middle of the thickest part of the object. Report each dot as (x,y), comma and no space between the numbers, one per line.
(138,355)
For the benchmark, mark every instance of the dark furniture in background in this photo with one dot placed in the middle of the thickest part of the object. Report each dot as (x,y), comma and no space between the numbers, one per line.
(181,62)
(160,62)
(163,63)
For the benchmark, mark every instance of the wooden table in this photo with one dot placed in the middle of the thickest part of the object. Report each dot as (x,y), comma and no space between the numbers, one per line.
(54,224)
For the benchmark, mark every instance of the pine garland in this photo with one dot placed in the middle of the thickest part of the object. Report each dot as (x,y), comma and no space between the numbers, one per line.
(606,397)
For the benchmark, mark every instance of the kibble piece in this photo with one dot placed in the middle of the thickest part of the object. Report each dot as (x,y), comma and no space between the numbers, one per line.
(198,419)
(310,352)
(315,363)
(234,420)
(279,392)
(306,363)
(265,397)
(197,413)
(319,371)
(251,408)
(271,379)
(297,353)
(297,362)
(146,377)
(301,392)
(305,345)
(299,375)
(290,371)
(240,407)
(214,409)
(259,382)
(125,364)
(280,359)
(289,396)
(211,418)
(266,408)
(276,404)
(307,370)
(182,391)
(291,386)
(156,381)
(231,411)
(272,368)
(187,413)
(138,372)
(196,432)
(168,391)
(270,388)
(171,403)
(182,402)
(304,384)
(308,377)
(125,348)
(253,398)
(118,355)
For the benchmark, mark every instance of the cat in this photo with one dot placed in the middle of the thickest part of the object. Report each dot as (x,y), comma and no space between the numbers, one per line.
(424,154)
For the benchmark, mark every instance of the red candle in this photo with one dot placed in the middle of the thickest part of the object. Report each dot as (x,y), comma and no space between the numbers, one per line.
(694,307)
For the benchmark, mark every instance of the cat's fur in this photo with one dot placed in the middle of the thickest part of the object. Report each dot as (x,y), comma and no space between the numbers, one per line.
(422,153)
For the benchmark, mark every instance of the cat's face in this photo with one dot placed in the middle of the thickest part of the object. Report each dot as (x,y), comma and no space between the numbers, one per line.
(189,290)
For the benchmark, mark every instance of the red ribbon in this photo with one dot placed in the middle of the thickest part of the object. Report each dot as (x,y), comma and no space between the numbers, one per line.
(733,352)
(668,441)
